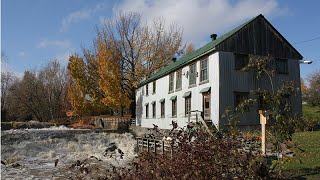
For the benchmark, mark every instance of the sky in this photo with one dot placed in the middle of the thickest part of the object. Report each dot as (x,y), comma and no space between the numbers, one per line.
(34,32)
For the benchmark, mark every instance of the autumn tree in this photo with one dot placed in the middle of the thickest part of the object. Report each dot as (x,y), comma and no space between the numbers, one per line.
(304,88)
(84,92)
(79,103)
(143,49)
(189,48)
(111,81)
(313,92)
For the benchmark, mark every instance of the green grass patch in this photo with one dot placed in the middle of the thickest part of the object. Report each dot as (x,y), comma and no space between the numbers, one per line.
(306,163)
(311,111)
(311,118)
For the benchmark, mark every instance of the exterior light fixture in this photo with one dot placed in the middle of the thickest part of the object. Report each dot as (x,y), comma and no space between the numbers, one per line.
(305,62)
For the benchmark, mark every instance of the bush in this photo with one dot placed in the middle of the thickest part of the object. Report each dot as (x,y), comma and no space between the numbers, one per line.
(313,92)
(197,155)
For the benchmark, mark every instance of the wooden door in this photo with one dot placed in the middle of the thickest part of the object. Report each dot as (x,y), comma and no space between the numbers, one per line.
(206,106)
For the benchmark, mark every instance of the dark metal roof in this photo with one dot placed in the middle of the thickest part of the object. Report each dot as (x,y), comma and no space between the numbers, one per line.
(210,47)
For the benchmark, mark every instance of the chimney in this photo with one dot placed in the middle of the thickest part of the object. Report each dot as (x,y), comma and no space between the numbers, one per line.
(174,59)
(213,37)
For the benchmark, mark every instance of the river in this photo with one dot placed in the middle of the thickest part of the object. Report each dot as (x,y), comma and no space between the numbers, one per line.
(61,153)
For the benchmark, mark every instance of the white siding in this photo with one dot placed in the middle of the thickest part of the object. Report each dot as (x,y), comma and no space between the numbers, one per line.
(162,91)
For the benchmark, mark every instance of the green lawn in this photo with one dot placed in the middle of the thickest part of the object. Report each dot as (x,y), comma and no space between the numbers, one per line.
(306,163)
(311,118)
(313,112)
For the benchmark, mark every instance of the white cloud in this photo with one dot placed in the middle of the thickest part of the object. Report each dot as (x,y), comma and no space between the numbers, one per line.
(200,18)
(44,43)
(78,16)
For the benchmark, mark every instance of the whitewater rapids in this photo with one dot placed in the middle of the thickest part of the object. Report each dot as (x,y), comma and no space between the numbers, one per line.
(32,153)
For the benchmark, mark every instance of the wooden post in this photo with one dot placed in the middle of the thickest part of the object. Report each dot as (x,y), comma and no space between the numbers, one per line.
(148,145)
(263,122)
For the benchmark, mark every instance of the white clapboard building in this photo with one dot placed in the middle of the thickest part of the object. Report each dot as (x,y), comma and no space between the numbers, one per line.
(210,79)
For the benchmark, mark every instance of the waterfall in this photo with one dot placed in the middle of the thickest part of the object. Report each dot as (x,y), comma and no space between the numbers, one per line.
(32,153)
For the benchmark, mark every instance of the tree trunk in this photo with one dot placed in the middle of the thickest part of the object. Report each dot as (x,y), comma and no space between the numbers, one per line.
(133,104)
(122,111)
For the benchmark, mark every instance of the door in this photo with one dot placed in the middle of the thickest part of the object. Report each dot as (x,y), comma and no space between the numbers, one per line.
(206,106)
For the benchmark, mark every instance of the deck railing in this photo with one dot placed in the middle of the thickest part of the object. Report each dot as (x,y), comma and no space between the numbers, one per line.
(112,123)
(156,146)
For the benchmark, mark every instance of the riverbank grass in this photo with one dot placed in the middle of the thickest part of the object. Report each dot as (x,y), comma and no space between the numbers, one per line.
(306,163)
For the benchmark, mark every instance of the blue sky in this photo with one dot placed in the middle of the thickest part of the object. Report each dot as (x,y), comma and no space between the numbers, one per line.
(34,32)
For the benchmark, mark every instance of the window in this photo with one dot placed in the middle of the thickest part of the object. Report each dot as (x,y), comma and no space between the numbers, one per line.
(147,90)
(147,110)
(193,74)
(239,97)
(282,66)
(187,105)
(154,109)
(240,61)
(154,87)
(171,82)
(204,70)
(174,108)
(179,80)
(162,109)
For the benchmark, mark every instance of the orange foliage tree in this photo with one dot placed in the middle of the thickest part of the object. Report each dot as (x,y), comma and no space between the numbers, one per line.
(125,52)
(111,80)
(83,92)
(304,88)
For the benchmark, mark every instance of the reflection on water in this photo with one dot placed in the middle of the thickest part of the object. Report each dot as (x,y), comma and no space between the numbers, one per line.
(31,154)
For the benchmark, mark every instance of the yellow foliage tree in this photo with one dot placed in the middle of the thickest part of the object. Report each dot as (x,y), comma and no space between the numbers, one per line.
(125,53)
(83,92)
(189,48)
(111,76)
(77,100)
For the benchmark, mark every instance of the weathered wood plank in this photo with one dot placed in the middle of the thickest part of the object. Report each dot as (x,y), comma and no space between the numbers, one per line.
(258,37)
